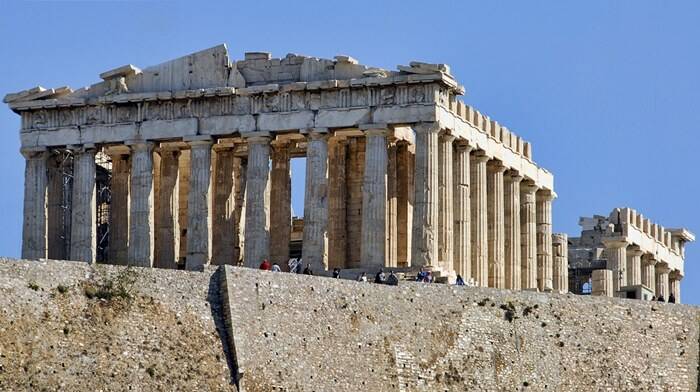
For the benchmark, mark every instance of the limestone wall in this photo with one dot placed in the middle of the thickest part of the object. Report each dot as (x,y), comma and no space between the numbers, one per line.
(299,333)
(53,337)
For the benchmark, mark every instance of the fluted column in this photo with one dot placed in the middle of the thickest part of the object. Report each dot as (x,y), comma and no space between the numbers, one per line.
(445,203)
(528,235)
(141,214)
(496,224)
(405,193)
(224,227)
(461,210)
(167,238)
(374,192)
(315,245)
(257,207)
(649,272)
(83,225)
(544,240)
(337,233)
(391,206)
(634,266)
(199,205)
(511,212)
(674,281)
(34,239)
(119,205)
(662,287)
(560,261)
(280,203)
(424,241)
(57,215)
(616,253)
(479,219)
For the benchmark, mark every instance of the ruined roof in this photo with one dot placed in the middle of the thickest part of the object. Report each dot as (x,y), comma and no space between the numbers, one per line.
(213,69)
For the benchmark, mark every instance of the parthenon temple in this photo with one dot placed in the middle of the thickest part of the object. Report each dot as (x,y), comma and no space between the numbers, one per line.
(187,163)
(627,255)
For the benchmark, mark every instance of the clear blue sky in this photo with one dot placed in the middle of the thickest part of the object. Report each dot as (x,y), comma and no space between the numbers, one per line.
(607,92)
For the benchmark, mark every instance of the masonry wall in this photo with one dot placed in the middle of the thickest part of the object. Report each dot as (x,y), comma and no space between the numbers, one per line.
(299,333)
(53,337)
(318,334)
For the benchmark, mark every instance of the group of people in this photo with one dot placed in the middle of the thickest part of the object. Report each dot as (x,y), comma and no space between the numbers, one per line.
(671,298)
(295,266)
(381,278)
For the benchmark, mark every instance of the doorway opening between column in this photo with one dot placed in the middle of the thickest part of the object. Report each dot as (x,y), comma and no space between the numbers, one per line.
(298,174)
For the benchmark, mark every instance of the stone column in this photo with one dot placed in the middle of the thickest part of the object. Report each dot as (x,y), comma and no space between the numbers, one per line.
(662,272)
(315,245)
(83,236)
(374,191)
(649,272)
(34,240)
(634,266)
(602,283)
(167,237)
(280,203)
(544,240)
(511,212)
(405,193)
(560,250)
(337,234)
(354,177)
(199,205)
(57,211)
(675,278)
(424,245)
(528,236)
(616,253)
(240,166)
(257,207)
(496,224)
(119,206)
(224,227)
(141,214)
(391,206)
(461,210)
(479,219)
(445,203)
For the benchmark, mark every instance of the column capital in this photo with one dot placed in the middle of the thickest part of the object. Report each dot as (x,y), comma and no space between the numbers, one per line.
(662,268)
(615,243)
(496,166)
(648,259)
(479,156)
(545,195)
(512,175)
(675,275)
(118,150)
(462,145)
(634,250)
(34,152)
(140,145)
(79,148)
(447,137)
(427,127)
(262,138)
(528,187)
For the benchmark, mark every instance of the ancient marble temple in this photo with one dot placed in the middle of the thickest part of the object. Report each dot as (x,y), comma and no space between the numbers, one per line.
(188,163)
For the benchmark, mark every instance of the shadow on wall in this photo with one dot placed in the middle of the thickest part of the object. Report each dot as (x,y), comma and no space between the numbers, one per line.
(215,300)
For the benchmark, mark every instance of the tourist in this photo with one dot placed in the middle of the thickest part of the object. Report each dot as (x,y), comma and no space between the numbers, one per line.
(661,298)
(362,277)
(292,264)
(307,270)
(265,265)
(336,273)
(671,298)
(460,281)
(392,279)
(380,277)
(421,275)
(428,277)
(276,268)
(653,298)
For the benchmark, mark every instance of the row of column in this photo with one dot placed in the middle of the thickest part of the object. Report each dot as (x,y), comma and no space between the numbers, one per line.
(477,218)
(631,266)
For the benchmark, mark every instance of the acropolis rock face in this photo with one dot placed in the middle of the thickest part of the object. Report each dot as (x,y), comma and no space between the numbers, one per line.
(399,172)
